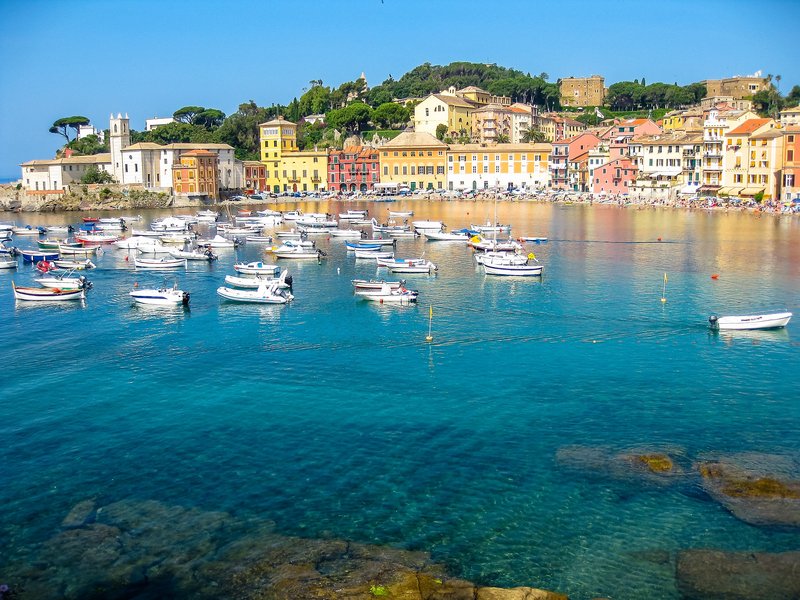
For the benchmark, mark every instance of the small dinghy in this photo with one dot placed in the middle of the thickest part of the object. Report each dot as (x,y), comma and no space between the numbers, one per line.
(74,265)
(65,283)
(198,254)
(767,321)
(252,283)
(159,263)
(291,251)
(265,294)
(387,294)
(161,297)
(46,294)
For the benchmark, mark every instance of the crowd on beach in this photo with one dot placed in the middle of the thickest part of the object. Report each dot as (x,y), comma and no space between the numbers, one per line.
(567,197)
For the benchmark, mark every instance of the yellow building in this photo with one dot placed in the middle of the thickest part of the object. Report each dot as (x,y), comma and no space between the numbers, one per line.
(414,159)
(753,158)
(196,174)
(498,166)
(288,169)
(582,91)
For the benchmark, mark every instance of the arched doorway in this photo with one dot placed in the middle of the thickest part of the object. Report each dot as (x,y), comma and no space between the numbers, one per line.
(352,187)
(294,187)
(363,187)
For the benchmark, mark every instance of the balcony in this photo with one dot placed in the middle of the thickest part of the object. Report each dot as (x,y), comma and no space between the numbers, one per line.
(688,152)
(293,180)
(316,179)
(713,168)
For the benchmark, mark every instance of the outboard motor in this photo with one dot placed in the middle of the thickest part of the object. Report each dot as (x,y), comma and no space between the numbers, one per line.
(712,320)
(288,281)
(185,299)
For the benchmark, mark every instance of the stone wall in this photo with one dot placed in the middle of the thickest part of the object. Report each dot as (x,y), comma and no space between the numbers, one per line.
(90,197)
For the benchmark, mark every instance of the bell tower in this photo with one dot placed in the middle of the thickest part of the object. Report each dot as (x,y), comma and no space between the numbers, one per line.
(119,139)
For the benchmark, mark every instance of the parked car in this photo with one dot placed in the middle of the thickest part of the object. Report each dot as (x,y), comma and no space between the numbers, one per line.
(257,197)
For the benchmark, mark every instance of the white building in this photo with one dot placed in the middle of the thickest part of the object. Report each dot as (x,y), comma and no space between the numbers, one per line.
(146,164)
(87,130)
(57,174)
(669,164)
(150,124)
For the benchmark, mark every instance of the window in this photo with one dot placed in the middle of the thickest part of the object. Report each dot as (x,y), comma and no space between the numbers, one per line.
(396,170)
(439,170)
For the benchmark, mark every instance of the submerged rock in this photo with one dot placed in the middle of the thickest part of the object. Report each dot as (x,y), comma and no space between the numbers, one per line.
(756,498)
(146,549)
(715,575)
(645,464)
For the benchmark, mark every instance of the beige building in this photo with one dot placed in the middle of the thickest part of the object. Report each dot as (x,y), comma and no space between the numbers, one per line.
(444,109)
(739,88)
(491,123)
(582,91)
(790,117)
(753,158)
(670,164)
(55,175)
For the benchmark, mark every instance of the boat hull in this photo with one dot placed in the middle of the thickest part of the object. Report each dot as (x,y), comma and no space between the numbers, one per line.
(750,322)
(46,294)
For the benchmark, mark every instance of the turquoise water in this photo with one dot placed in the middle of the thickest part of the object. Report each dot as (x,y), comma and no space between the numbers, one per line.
(332,416)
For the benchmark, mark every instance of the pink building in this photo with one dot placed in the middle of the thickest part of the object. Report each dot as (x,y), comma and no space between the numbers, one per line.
(615,177)
(566,152)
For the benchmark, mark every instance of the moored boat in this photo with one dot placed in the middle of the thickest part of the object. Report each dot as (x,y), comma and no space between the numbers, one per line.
(265,294)
(284,281)
(65,283)
(510,265)
(161,297)
(33,256)
(375,284)
(159,263)
(764,321)
(42,294)
(388,294)
(75,265)
(257,268)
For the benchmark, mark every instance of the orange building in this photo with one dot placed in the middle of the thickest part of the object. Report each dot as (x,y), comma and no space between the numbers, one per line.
(196,174)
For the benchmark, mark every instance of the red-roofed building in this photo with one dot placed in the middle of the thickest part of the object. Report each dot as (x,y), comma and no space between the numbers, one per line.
(752,160)
(255,177)
(355,168)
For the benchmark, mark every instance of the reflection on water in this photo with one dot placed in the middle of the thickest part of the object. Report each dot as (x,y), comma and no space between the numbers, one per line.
(336,418)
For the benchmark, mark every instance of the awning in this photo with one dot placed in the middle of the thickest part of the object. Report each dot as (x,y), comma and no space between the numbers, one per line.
(750,191)
(730,191)
(666,172)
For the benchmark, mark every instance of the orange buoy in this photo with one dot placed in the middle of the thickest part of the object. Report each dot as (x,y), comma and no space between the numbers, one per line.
(659,238)
(715,276)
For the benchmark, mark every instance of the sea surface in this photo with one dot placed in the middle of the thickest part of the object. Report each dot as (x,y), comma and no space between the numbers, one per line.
(332,416)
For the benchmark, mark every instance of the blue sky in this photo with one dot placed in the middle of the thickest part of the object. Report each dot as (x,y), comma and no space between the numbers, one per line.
(151,57)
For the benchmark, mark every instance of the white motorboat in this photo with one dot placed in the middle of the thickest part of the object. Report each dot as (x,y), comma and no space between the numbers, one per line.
(161,297)
(292,251)
(401,213)
(64,283)
(373,254)
(425,226)
(176,238)
(206,216)
(46,294)
(353,215)
(374,284)
(265,294)
(388,294)
(170,225)
(292,215)
(74,264)
(459,235)
(288,235)
(258,239)
(217,242)
(284,281)
(8,262)
(765,321)
(510,265)
(387,227)
(413,266)
(490,228)
(346,233)
(147,233)
(257,268)
(197,254)
(316,221)
(481,243)
(159,263)
(536,240)
(512,257)
(25,230)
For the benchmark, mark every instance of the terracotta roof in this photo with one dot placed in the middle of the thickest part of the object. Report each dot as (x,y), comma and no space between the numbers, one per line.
(453,100)
(791,111)
(519,109)
(414,138)
(72,160)
(278,121)
(749,126)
